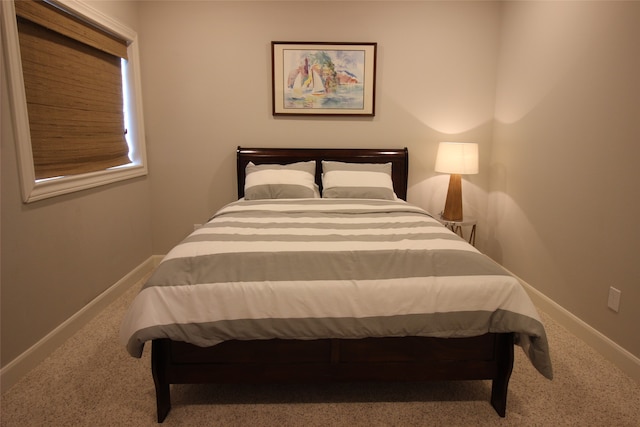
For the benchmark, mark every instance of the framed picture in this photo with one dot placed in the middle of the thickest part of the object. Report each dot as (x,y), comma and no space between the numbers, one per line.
(321,78)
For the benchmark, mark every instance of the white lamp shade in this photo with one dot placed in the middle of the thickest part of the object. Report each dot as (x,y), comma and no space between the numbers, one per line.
(457,157)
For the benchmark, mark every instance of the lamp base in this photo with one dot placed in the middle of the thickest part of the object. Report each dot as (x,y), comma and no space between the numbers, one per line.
(453,204)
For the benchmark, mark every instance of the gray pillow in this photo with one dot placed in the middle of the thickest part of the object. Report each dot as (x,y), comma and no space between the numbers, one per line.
(271,181)
(357,180)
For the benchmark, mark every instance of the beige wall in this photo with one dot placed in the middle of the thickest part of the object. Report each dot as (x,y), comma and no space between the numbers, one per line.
(59,254)
(551,181)
(206,69)
(565,195)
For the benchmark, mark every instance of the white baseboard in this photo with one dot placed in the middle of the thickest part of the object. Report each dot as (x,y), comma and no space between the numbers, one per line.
(623,359)
(21,365)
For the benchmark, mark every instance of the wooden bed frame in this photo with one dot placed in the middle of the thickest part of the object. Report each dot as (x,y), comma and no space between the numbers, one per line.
(486,357)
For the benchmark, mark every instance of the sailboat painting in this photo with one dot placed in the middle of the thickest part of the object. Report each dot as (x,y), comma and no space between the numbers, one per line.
(323,78)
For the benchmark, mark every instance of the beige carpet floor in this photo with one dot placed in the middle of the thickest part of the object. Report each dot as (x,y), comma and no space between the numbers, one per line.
(92,381)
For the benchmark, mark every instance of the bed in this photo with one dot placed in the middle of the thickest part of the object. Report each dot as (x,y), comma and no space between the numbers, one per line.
(284,285)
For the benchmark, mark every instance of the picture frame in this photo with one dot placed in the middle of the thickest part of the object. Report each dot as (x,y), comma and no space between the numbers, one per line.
(323,78)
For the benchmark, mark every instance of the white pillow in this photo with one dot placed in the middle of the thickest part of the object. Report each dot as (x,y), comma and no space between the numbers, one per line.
(357,180)
(271,181)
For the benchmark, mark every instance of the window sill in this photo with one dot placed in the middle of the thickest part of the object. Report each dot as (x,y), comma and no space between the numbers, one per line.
(44,189)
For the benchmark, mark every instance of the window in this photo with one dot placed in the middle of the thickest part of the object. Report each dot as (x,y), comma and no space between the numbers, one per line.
(75,95)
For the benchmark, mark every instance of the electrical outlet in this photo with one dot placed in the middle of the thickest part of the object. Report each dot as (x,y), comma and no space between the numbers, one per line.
(614,299)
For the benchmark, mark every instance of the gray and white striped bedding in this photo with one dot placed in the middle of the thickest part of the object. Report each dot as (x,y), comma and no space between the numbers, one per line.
(329,268)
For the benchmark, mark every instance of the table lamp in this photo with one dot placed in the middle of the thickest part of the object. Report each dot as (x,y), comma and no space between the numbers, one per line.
(456,158)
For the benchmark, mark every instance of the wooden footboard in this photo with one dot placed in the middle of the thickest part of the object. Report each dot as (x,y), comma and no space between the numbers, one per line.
(488,356)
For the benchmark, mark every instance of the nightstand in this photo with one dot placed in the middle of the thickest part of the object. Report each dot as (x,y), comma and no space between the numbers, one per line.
(456,226)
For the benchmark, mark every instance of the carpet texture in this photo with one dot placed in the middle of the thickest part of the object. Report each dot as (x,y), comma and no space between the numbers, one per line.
(92,381)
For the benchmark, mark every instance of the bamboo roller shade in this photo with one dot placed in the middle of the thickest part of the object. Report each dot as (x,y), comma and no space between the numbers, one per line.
(74,97)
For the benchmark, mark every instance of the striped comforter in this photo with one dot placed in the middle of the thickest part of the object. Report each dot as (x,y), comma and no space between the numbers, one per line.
(329,268)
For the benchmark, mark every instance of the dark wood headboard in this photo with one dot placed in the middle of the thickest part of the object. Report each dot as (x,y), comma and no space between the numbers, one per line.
(398,157)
